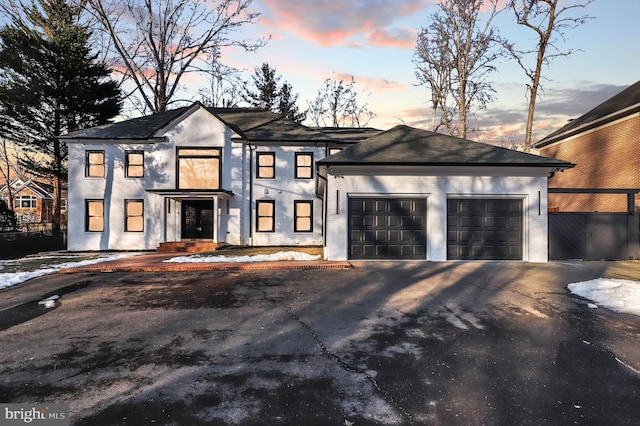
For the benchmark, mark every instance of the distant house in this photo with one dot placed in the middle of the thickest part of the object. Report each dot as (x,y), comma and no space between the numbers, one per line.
(250,177)
(604,143)
(32,200)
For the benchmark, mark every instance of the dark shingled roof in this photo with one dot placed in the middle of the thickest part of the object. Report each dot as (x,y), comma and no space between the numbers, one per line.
(624,103)
(252,124)
(404,145)
(349,134)
(135,128)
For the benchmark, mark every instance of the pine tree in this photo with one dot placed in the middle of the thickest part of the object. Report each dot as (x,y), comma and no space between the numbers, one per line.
(269,95)
(50,84)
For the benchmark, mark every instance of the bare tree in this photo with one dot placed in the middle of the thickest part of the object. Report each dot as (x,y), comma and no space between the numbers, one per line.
(159,41)
(454,56)
(224,83)
(337,105)
(549,22)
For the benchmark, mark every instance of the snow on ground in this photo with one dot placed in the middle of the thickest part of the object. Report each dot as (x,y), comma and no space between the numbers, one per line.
(8,279)
(283,255)
(617,295)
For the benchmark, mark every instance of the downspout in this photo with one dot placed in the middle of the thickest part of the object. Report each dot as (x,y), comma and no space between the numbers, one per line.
(251,148)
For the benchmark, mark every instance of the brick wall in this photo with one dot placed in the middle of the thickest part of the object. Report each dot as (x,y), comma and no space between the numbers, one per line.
(608,157)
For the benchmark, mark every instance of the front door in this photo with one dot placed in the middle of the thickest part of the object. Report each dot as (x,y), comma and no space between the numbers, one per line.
(197,219)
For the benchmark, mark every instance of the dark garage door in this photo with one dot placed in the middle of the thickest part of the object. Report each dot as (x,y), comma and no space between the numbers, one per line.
(387,228)
(489,229)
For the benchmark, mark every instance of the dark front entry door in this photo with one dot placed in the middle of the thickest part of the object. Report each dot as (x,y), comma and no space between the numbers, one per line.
(197,219)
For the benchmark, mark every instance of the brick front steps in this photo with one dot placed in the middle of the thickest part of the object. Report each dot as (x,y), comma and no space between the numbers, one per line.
(188,246)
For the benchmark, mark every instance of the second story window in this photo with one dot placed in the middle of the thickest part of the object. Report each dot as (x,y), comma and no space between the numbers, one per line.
(94,164)
(134,164)
(199,168)
(304,165)
(266,165)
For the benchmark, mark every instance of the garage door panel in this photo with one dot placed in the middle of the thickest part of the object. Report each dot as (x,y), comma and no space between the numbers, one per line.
(484,229)
(396,229)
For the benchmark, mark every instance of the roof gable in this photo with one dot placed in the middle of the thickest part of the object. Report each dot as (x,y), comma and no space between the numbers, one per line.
(624,103)
(404,145)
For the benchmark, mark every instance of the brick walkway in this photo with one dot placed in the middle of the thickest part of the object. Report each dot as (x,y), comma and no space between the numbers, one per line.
(153,262)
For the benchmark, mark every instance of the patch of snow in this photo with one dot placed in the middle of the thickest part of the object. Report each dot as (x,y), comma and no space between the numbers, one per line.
(615,294)
(8,279)
(283,255)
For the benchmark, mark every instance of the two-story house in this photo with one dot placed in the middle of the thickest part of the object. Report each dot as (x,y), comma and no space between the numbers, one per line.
(250,177)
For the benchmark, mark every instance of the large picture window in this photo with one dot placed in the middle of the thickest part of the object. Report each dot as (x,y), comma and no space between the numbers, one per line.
(134,215)
(265,216)
(94,215)
(134,164)
(303,216)
(94,164)
(199,168)
(265,165)
(26,202)
(304,165)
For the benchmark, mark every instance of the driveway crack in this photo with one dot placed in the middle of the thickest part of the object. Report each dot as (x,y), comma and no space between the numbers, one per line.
(342,363)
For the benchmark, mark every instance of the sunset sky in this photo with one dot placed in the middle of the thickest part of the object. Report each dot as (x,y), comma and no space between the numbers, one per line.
(374,41)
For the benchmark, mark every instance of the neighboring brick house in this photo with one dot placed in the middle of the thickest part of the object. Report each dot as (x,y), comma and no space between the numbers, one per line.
(604,144)
(32,200)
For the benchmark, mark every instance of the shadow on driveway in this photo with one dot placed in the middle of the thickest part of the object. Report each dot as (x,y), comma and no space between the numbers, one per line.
(382,343)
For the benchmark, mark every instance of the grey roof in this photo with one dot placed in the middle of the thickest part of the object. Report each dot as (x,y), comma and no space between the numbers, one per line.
(349,134)
(252,124)
(624,103)
(404,145)
(135,128)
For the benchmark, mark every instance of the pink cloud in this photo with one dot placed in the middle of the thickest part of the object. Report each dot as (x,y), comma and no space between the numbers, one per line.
(371,84)
(327,22)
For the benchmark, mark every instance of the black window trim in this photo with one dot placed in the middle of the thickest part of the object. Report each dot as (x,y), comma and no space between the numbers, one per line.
(86,213)
(87,165)
(271,154)
(126,163)
(273,215)
(295,215)
(126,213)
(310,167)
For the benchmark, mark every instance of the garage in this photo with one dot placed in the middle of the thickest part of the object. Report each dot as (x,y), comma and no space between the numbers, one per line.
(387,228)
(484,229)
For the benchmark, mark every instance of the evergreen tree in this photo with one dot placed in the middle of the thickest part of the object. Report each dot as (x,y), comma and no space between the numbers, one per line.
(50,84)
(287,104)
(269,95)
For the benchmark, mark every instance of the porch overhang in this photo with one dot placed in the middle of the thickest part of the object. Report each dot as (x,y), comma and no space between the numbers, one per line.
(178,194)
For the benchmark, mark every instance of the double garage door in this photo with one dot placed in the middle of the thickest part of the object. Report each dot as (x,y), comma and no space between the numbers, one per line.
(395,228)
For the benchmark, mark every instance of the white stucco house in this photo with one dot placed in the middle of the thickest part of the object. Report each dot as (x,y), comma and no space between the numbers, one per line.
(250,177)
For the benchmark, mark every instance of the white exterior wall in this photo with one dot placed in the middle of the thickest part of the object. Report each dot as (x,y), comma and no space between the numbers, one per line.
(436,187)
(235,218)
(284,189)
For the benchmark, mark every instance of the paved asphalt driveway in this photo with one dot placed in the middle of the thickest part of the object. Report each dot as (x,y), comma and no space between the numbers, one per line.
(383,343)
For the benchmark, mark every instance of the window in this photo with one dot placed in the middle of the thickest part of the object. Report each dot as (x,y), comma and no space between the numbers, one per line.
(303,216)
(94,216)
(134,215)
(334,150)
(265,216)
(134,164)
(25,202)
(199,168)
(304,165)
(94,164)
(266,165)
